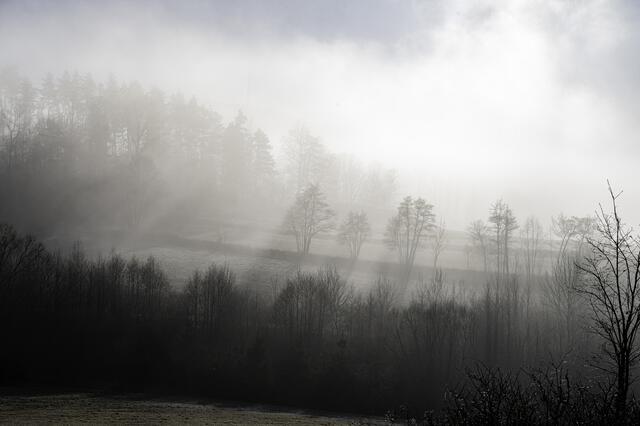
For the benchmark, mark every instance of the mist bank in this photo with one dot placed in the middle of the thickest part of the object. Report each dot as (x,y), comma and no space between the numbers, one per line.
(471,102)
(76,153)
(81,154)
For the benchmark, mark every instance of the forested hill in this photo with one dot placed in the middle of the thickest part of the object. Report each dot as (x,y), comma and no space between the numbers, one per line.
(77,153)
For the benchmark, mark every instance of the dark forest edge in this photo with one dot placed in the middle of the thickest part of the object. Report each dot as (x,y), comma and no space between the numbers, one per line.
(312,341)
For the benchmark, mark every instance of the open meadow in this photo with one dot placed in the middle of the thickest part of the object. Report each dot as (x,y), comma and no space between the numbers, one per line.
(87,408)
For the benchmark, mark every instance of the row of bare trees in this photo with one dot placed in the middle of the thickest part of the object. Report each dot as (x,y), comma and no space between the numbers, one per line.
(369,349)
(414,226)
(592,284)
(310,215)
(495,236)
(596,269)
(531,251)
(406,233)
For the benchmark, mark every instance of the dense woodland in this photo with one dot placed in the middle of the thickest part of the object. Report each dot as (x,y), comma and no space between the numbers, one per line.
(77,154)
(548,339)
(312,341)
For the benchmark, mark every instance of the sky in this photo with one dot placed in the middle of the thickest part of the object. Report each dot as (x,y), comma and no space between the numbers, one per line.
(535,102)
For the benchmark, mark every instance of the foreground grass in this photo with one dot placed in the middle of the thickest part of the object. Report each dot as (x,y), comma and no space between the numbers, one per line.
(93,409)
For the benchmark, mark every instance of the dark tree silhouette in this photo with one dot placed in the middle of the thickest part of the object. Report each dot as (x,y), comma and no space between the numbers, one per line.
(354,231)
(309,216)
(612,286)
(478,233)
(504,223)
(438,243)
(408,229)
(263,165)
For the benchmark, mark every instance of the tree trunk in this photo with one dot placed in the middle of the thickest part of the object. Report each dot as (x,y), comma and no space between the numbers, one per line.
(622,385)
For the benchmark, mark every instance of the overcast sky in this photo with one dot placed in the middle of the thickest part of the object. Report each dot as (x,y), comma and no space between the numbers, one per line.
(536,102)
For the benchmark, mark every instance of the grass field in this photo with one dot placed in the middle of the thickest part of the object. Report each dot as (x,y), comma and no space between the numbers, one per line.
(260,258)
(81,408)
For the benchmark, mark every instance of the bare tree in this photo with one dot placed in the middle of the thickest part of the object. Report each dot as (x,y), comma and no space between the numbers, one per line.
(263,165)
(611,285)
(354,231)
(407,230)
(438,243)
(510,225)
(311,305)
(504,223)
(210,297)
(309,216)
(495,218)
(560,286)
(467,253)
(530,237)
(479,235)
(560,293)
(17,253)
(571,230)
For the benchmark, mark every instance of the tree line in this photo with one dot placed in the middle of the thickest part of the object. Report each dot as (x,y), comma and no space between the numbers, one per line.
(312,339)
(414,227)
(80,154)
(75,152)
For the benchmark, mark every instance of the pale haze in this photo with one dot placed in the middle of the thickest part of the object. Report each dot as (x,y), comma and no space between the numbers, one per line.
(533,102)
(419,212)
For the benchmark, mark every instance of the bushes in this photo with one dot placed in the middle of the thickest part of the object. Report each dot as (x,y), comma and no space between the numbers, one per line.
(490,397)
(547,396)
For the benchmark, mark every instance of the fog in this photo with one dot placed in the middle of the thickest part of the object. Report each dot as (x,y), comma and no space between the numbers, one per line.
(469,101)
(419,211)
